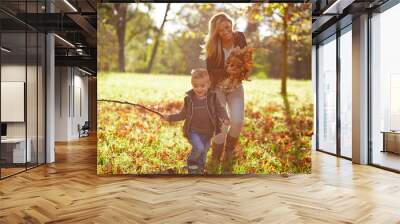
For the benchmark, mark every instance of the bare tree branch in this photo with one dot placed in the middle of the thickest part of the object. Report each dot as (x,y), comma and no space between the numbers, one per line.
(132,104)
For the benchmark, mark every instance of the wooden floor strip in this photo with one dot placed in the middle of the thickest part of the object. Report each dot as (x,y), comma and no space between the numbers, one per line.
(69,191)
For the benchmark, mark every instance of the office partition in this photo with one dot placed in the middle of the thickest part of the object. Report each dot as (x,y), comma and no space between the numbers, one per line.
(23,88)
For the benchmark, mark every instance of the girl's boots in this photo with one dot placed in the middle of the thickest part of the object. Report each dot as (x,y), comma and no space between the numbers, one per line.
(216,158)
(229,157)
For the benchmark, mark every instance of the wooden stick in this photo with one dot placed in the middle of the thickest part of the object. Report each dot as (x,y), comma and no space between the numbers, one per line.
(132,104)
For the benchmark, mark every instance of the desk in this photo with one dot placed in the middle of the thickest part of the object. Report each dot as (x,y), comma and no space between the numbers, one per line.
(17,150)
(391,141)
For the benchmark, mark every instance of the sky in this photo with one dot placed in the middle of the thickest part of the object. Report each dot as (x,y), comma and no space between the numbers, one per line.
(170,27)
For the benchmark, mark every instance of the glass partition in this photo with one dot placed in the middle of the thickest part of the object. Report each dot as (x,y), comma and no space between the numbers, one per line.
(327,95)
(346,93)
(22,77)
(385,89)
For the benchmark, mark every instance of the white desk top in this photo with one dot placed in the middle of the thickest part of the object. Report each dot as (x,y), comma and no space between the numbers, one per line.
(13,140)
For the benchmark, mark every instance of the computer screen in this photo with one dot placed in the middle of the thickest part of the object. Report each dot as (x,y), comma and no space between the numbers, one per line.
(3,129)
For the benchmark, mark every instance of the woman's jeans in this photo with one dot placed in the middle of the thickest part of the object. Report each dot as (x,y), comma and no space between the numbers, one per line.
(235,102)
(200,145)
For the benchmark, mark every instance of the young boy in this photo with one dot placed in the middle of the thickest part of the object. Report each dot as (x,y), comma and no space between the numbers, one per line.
(203,115)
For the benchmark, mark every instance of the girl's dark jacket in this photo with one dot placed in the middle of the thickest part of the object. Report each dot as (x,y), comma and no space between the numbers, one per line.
(216,112)
(217,70)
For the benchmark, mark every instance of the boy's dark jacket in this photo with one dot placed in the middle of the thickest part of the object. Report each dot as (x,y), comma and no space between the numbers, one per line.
(216,112)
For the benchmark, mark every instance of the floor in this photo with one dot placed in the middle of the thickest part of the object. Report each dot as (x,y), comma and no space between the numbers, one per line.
(5,172)
(387,159)
(69,191)
(10,171)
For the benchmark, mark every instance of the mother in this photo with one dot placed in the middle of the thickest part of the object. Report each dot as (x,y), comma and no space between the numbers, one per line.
(219,42)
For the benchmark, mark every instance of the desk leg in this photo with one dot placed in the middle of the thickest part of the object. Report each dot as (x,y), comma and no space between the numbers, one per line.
(384,142)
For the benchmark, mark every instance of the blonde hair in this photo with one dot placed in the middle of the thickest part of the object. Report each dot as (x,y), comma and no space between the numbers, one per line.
(199,73)
(212,40)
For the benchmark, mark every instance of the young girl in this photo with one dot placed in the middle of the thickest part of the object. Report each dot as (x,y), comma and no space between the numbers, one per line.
(203,115)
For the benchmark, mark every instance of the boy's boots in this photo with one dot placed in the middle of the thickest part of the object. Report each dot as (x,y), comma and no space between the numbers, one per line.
(229,160)
(216,157)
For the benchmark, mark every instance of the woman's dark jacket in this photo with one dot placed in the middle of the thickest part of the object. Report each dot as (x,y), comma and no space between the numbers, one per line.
(216,112)
(217,70)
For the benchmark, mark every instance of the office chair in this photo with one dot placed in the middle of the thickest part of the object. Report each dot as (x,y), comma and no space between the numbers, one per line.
(84,130)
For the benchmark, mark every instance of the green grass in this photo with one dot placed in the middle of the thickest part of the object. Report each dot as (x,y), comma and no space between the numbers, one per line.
(275,138)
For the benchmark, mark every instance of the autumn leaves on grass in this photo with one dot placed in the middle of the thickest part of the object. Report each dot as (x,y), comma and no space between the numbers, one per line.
(141,144)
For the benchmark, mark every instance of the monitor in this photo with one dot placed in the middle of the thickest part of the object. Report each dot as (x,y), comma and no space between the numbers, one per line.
(3,129)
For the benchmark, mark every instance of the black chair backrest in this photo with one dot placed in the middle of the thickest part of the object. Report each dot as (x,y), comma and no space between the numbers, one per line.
(86,125)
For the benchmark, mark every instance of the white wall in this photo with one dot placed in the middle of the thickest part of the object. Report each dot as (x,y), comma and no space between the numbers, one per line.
(80,109)
(12,73)
(71,94)
(62,81)
(33,127)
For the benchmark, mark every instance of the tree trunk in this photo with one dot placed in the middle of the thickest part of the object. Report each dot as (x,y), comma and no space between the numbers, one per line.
(157,41)
(121,50)
(121,10)
(285,43)
(251,28)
